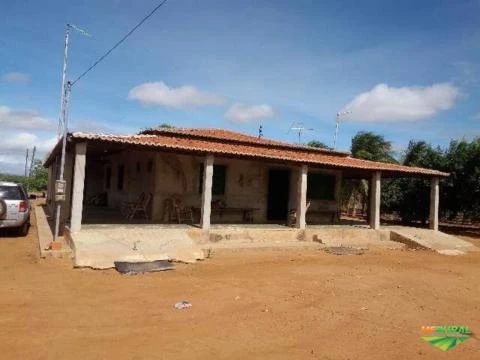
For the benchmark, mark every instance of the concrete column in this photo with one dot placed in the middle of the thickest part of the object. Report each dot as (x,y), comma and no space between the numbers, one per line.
(302,197)
(207,192)
(434,203)
(375,200)
(78,185)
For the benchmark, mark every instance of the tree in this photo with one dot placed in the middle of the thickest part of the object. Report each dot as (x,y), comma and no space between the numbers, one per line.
(462,189)
(318,144)
(370,146)
(37,181)
(39,177)
(166,126)
(374,147)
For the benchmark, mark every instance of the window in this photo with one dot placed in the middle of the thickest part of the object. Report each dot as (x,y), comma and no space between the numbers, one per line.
(149,165)
(120,177)
(108,178)
(321,187)
(218,180)
(11,193)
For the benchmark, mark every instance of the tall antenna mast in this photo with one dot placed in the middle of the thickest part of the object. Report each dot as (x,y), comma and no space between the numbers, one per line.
(26,162)
(62,122)
(337,123)
(32,160)
(299,128)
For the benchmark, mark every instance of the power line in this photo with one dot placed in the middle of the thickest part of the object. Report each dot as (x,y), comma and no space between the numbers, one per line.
(100,59)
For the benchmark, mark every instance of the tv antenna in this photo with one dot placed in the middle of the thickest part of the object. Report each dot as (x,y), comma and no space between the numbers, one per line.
(299,128)
(339,114)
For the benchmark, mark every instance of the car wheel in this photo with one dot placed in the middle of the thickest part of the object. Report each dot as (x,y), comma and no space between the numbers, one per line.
(23,230)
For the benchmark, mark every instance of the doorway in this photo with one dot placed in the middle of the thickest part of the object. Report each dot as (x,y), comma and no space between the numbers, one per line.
(278,194)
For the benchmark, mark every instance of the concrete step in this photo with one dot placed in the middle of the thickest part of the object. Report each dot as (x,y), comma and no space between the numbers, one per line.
(434,240)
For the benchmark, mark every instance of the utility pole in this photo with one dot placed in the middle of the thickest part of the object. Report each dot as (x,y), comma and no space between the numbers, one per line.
(26,163)
(63,120)
(340,113)
(32,160)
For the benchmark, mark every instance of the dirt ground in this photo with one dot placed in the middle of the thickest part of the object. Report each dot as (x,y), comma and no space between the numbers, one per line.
(248,304)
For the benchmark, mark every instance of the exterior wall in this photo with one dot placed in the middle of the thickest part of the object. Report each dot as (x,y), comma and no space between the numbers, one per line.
(68,176)
(51,187)
(245,185)
(136,179)
(316,205)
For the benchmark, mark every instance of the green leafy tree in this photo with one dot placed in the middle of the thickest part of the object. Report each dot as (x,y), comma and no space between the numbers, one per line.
(414,201)
(318,144)
(37,181)
(38,178)
(370,146)
(374,147)
(462,188)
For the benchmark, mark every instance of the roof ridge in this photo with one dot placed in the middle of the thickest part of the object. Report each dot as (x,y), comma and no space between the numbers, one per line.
(247,138)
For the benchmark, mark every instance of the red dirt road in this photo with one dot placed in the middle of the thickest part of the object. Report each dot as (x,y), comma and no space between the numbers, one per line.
(247,304)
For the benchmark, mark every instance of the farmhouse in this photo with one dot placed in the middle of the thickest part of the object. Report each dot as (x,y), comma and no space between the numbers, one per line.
(210,176)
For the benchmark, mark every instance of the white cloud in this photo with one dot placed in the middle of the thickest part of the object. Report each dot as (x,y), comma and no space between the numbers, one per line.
(13,148)
(23,140)
(16,77)
(384,103)
(23,119)
(183,97)
(240,113)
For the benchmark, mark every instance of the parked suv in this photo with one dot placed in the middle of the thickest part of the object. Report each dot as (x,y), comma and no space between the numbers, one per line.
(14,207)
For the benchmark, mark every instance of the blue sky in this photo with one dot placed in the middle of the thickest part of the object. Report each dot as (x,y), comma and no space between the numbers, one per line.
(405,69)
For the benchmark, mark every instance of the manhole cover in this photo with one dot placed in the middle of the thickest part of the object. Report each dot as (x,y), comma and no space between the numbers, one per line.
(343,250)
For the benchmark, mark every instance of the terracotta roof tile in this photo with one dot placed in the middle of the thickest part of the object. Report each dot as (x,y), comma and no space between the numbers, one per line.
(236,137)
(201,144)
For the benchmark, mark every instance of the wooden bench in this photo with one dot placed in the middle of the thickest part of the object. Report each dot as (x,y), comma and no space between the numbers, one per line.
(247,213)
(333,214)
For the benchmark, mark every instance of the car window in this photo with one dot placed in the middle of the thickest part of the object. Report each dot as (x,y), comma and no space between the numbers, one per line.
(11,193)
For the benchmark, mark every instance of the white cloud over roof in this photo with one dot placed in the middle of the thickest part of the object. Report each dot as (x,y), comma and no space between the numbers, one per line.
(240,113)
(182,97)
(385,103)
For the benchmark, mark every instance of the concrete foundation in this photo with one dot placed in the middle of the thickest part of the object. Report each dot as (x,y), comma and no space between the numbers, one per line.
(98,246)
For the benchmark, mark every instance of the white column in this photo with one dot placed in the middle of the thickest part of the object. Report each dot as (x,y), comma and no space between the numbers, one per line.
(78,185)
(302,197)
(375,200)
(207,192)
(434,203)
